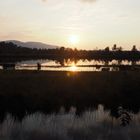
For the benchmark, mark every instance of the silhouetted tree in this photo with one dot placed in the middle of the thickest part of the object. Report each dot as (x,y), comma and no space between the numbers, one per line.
(10,50)
(107,49)
(120,48)
(134,48)
(114,48)
(62,48)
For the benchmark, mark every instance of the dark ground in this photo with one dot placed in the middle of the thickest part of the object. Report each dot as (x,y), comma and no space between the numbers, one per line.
(22,91)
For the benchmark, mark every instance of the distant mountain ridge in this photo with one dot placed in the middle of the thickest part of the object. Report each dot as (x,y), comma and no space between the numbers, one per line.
(38,45)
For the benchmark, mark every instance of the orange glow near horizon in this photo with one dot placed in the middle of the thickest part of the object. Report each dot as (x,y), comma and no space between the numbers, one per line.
(82,24)
(73,67)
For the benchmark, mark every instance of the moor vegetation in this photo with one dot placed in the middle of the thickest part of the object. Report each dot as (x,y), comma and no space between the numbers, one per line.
(28,91)
(91,125)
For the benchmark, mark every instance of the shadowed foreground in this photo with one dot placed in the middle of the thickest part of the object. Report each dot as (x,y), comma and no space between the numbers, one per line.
(31,91)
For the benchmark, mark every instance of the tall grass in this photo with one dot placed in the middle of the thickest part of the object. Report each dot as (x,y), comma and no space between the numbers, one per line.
(91,125)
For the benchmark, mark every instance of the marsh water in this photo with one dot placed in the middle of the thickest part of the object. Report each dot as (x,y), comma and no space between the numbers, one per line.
(75,65)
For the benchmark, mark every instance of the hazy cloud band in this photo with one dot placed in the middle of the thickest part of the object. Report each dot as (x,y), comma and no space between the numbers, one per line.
(88,0)
(80,0)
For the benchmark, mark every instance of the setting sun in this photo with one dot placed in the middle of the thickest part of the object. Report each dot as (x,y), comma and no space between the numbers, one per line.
(74,39)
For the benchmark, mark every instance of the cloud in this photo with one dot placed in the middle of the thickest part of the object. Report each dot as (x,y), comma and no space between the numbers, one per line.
(80,0)
(88,0)
(44,0)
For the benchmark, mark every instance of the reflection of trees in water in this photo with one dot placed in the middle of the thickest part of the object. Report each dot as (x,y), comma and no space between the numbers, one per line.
(68,62)
(106,62)
(133,63)
(119,62)
(75,61)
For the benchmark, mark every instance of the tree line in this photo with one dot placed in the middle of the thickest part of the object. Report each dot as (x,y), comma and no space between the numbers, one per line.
(9,50)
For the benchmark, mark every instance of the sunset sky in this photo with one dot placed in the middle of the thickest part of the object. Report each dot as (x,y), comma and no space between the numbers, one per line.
(85,24)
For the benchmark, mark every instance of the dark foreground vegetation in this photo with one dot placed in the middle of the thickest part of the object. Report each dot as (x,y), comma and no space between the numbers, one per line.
(31,91)
(11,52)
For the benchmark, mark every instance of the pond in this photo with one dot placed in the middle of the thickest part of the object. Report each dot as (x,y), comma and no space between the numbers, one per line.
(76,65)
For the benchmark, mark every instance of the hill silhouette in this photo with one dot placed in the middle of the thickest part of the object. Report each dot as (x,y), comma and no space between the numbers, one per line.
(38,45)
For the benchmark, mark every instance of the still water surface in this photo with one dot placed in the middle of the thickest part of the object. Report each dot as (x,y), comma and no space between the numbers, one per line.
(74,65)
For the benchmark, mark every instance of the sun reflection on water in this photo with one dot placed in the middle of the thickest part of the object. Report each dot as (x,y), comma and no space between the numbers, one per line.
(73,67)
